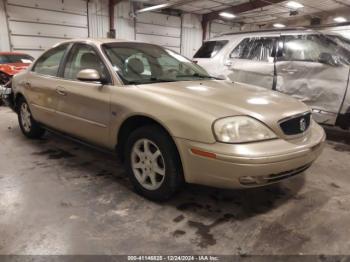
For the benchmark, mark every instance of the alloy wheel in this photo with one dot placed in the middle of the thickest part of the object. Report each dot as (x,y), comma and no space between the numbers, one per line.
(26,117)
(148,164)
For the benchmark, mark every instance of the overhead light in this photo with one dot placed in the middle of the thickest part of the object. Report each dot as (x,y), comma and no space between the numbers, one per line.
(294,5)
(340,19)
(278,25)
(152,8)
(227,15)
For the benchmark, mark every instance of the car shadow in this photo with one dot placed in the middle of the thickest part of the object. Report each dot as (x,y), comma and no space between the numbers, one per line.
(338,138)
(93,164)
(195,207)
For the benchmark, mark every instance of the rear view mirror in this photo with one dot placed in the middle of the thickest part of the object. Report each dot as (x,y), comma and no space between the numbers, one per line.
(89,75)
(328,59)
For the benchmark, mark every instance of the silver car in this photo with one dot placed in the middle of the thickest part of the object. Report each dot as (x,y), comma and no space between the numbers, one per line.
(311,66)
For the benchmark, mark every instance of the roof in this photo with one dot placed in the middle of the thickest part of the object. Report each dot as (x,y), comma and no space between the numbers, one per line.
(12,53)
(98,40)
(303,30)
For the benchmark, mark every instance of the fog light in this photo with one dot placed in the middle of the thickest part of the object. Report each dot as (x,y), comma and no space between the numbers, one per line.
(247,180)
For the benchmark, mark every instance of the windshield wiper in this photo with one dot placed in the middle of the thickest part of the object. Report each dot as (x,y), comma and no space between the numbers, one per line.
(200,76)
(162,80)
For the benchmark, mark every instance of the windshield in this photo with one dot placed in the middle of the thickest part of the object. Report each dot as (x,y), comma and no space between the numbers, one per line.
(210,48)
(139,63)
(16,58)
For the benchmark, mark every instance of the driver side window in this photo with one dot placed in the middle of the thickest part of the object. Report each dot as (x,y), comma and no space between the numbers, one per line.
(84,57)
(307,48)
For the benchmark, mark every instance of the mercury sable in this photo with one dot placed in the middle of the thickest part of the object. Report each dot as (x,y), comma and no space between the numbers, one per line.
(169,121)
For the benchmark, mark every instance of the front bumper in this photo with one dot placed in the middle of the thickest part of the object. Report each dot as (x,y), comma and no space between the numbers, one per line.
(251,164)
(6,95)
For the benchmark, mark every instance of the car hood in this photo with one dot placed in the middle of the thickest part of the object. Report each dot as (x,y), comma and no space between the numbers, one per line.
(13,68)
(221,98)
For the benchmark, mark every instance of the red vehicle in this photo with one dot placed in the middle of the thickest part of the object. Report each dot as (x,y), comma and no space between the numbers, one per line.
(12,63)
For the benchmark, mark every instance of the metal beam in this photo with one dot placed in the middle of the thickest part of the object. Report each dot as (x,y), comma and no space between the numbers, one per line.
(165,5)
(111,5)
(241,8)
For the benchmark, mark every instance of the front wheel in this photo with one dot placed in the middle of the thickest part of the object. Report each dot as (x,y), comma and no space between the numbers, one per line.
(30,128)
(153,163)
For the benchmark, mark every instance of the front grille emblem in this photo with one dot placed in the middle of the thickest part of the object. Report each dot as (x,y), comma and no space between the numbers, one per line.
(302,124)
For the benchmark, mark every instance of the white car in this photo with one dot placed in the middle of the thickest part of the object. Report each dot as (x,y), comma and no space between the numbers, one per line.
(307,64)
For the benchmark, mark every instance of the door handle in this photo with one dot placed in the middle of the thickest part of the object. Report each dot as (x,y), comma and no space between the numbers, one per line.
(27,85)
(61,91)
(289,70)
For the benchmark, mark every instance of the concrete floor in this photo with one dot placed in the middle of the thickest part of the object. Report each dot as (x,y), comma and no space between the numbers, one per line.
(59,197)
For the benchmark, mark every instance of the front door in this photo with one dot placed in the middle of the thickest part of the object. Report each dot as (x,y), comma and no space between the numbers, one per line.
(252,61)
(312,68)
(84,107)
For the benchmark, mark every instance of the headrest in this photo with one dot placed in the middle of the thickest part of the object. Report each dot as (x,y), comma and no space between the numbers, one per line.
(135,66)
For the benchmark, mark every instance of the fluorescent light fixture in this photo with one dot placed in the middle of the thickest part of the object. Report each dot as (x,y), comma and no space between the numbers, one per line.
(294,5)
(152,8)
(278,25)
(227,15)
(340,19)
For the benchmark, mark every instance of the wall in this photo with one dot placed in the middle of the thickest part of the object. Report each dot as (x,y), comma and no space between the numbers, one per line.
(219,27)
(192,33)
(123,22)
(98,18)
(180,33)
(38,24)
(4,39)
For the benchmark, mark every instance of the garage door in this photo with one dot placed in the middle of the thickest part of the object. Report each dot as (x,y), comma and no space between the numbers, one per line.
(219,28)
(35,25)
(155,28)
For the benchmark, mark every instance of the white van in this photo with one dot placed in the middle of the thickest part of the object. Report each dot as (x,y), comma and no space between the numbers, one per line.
(307,64)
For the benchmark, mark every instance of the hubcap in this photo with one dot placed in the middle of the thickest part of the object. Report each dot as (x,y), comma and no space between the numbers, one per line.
(26,117)
(148,164)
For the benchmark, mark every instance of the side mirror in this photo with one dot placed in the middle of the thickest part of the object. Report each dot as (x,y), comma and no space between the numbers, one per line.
(90,75)
(328,59)
(228,62)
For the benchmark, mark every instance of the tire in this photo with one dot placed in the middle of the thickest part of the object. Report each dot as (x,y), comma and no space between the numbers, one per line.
(30,128)
(153,163)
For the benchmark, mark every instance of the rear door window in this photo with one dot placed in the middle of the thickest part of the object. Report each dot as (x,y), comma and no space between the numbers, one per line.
(255,48)
(49,63)
(210,48)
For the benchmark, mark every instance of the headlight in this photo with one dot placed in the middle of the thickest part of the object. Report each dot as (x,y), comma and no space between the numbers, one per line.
(241,129)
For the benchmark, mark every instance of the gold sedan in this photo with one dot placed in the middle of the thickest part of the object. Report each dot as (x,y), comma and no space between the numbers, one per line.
(169,121)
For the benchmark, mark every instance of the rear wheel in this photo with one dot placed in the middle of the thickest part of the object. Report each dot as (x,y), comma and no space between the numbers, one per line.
(30,128)
(153,163)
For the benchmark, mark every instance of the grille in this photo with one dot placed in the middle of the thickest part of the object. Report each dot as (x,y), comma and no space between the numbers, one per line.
(296,125)
(286,174)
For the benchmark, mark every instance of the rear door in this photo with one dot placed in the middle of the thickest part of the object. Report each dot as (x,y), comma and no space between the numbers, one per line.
(312,68)
(40,85)
(83,108)
(252,61)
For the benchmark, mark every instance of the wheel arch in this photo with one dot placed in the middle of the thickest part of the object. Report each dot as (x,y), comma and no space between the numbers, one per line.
(134,122)
(18,96)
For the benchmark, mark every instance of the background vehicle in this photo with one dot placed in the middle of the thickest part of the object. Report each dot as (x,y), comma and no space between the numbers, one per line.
(141,100)
(306,64)
(10,64)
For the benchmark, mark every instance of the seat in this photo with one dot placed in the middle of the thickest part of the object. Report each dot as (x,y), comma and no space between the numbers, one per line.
(135,68)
